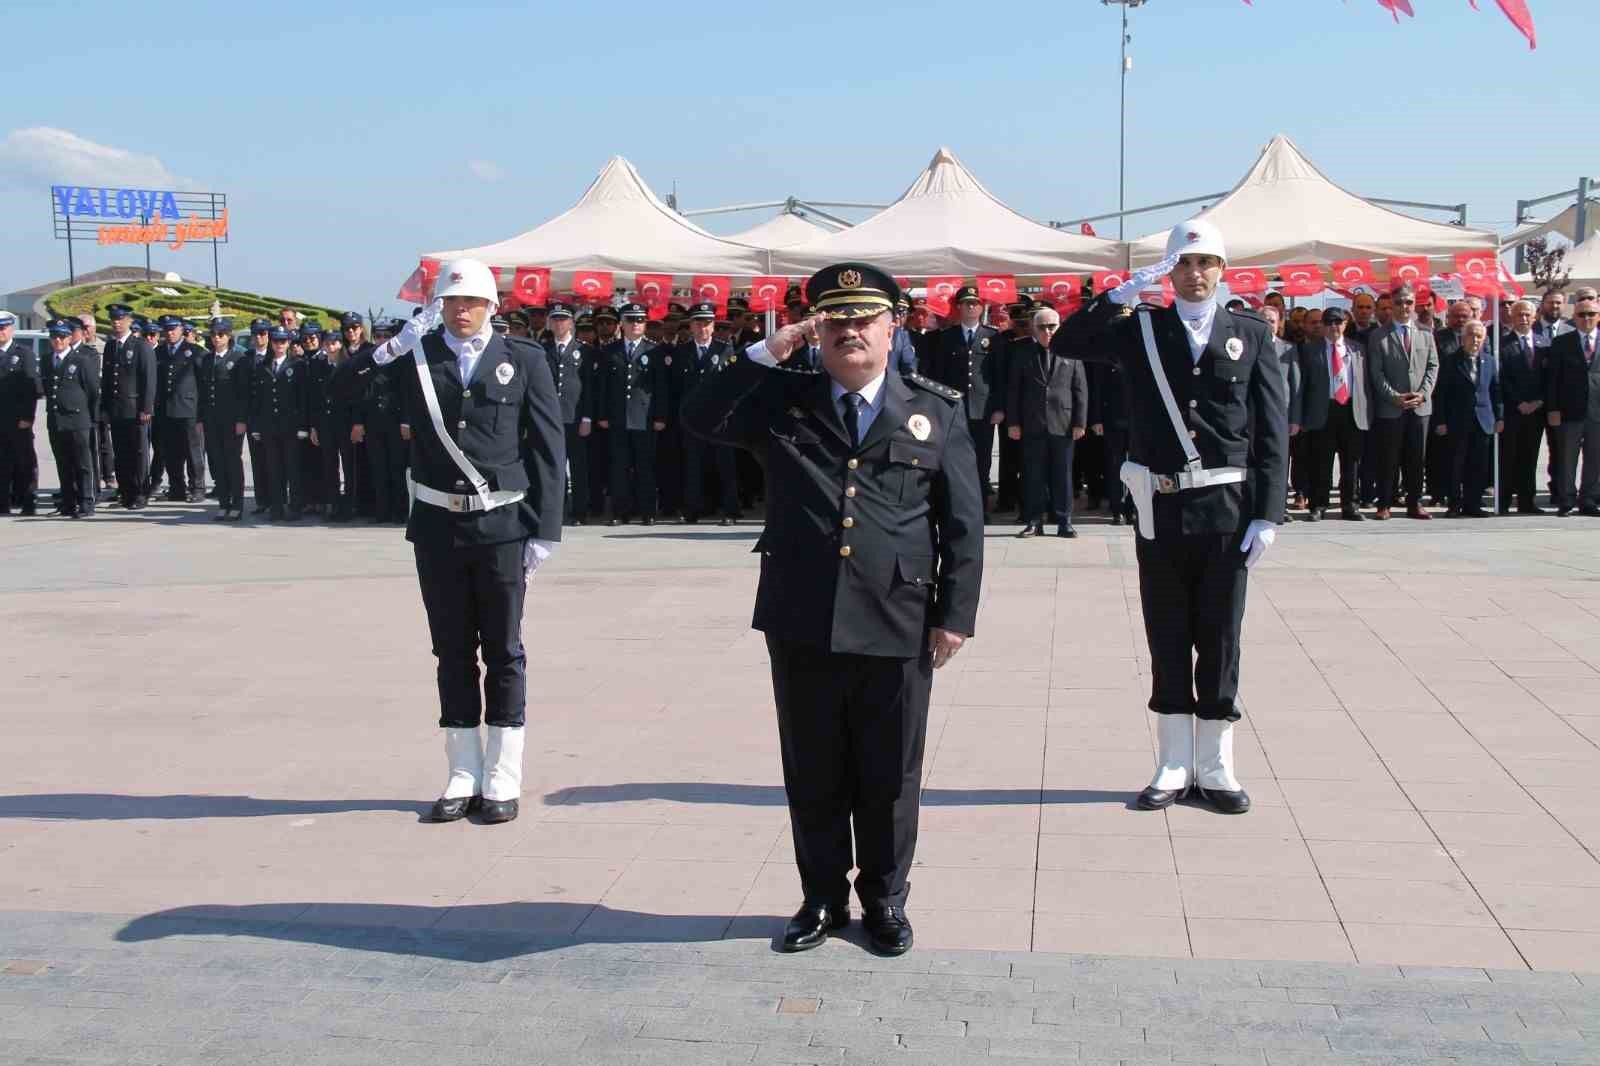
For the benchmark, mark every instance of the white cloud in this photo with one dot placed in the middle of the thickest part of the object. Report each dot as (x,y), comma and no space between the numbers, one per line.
(484,170)
(43,155)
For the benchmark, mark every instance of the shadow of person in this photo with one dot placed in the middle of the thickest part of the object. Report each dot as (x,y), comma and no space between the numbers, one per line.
(751,534)
(110,807)
(773,795)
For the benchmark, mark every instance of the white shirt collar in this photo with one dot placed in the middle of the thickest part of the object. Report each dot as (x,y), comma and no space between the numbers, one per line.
(472,346)
(869,392)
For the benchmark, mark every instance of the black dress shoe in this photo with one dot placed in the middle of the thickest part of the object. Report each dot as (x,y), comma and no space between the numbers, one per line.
(493,812)
(1532,508)
(611,521)
(260,509)
(1350,514)
(1223,802)
(888,929)
(1313,515)
(1158,799)
(1030,531)
(221,516)
(1066,531)
(453,810)
(1591,511)
(1562,512)
(811,925)
(649,521)
(726,521)
(1116,520)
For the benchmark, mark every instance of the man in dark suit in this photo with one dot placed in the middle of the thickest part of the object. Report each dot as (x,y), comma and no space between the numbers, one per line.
(177,405)
(1332,413)
(1208,467)
(20,390)
(1047,410)
(698,359)
(71,383)
(1572,406)
(572,365)
(1467,415)
(631,393)
(1402,367)
(968,357)
(127,400)
(1522,387)
(870,570)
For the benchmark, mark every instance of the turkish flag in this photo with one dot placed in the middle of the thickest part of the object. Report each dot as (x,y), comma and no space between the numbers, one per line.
(1087,230)
(1242,281)
(1301,279)
(941,291)
(1063,290)
(1106,280)
(418,288)
(1479,273)
(997,288)
(1407,270)
(593,286)
(1510,286)
(905,285)
(531,286)
(1163,296)
(655,292)
(710,288)
(766,294)
(1348,273)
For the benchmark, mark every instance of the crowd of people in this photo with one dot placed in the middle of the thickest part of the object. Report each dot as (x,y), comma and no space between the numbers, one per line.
(1394,404)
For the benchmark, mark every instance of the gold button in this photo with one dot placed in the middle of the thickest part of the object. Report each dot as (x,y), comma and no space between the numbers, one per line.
(1194,404)
(852,464)
(1196,371)
(844,552)
(851,491)
(849,523)
(1193,434)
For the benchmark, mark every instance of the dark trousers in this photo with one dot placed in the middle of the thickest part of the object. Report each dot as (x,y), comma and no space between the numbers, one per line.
(128,438)
(578,472)
(669,467)
(19,468)
(1577,439)
(175,452)
(1089,467)
(1400,445)
(1437,466)
(474,598)
(1115,443)
(1339,439)
(1367,468)
(1009,490)
(599,468)
(105,460)
(1519,456)
(1046,470)
(225,451)
(282,454)
(983,440)
(195,457)
(388,455)
(1300,464)
(1192,589)
(1468,449)
(697,457)
(633,472)
(258,471)
(852,730)
(157,467)
(312,487)
(337,454)
(73,449)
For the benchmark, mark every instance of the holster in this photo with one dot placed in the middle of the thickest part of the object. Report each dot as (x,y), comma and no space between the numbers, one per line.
(1142,489)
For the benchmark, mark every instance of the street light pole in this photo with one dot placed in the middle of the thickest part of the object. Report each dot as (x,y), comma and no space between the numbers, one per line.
(1122,124)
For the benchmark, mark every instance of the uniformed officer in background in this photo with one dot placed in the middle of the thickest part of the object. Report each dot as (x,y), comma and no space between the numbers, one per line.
(695,360)
(488,466)
(967,357)
(317,370)
(224,410)
(572,364)
(87,340)
(127,399)
(333,419)
(631,389)
(379,415)
(280,419)
(1209,492)
(870,569)
(154,467)
(177,407)
(260,354)
(20,390)
(72,402)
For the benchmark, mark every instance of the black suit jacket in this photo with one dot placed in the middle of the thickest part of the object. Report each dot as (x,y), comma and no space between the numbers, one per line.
(630,393)
(128,378)
(1567,385)
(1522,379)
(977,371)
(20,387)
(225,388)
(507,422)
(1048,391)
(865,546)
(177,380)
(1311,413)
(572,368)
(1236,409)
(71,391)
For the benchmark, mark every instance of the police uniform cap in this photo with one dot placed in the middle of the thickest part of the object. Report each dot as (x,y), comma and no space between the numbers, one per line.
(794,296)
(635,310)
(170,322)
(518,316)
(559,309)
(676,308)
(260,325)
(498,322)
(738,303)
(278,333)
(384,327)
(851,290)
(221,325)
(348,319)
(76,323)
(7,318)
(148,328)
(605,313)
(703,311)
(311,329)
(902,305)
(116,311)
(60,327)
(968,294)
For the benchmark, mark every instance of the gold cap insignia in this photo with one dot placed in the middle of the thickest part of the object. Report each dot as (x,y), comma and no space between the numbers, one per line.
(849,279)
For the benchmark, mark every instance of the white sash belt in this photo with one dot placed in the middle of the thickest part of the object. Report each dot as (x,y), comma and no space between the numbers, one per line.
(481,498)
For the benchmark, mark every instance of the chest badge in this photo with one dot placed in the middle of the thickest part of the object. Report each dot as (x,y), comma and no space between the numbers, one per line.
(288,372)
(666,360)
(1234,347)
(795,412)
(984,343)
(504,373)
(576,358)
(920,427)
(644,360)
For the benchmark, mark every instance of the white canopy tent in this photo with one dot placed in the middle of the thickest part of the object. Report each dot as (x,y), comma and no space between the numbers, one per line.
(619,225)
(781,231)
(1285,210)
(1565,224)
(948,223)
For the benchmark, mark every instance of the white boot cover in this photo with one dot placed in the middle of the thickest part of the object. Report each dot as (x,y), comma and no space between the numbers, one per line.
(1175,752)
(502,757)
(1213,756)
(465,753)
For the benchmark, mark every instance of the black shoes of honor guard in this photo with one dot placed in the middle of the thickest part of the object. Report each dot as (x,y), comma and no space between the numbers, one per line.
(811,925)
(1223,802)
(1158,799)
(453,810)
(888,929)
(494,812)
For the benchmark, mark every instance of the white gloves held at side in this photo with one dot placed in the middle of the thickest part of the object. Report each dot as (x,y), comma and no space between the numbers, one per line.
(1258,537)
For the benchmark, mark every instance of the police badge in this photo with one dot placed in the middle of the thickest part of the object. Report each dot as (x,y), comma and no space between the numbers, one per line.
(919,426)
(504,373)
(1234,347)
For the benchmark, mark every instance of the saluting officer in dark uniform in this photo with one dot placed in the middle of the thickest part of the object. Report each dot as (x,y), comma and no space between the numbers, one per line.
(631,390)
(1209,494)
(488,467)
(20,390)
(72,402)
(224,410)
(280,419)
(177,406)
(697,359)
(968,357)
(127,399)
(572,364)
(870,569)
(379,416)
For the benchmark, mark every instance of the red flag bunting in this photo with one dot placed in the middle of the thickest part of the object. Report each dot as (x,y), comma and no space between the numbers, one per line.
(1242,281)
(905,285)
(1301,279)
(997,288)
(655,292)
(1351,272)
(593,286)
(1408,270)
(1062,289)
(940,292)
(418,288)
(1106,280)
(766,294)
(709,288)
(1087,230)
(1479,275)
(531,286)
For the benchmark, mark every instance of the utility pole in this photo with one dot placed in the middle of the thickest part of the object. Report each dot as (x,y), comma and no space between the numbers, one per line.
(1122,125)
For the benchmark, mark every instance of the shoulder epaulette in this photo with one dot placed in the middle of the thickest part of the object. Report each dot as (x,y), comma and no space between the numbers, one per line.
(1251,313)
(953,395)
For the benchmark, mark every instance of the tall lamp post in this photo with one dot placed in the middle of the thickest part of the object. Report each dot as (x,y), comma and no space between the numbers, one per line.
(1122,125)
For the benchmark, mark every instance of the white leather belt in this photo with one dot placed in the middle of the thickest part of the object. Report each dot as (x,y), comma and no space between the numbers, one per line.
(1202,478)
(463,502)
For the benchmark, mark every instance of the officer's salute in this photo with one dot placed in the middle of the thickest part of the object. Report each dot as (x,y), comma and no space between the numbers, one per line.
(1208,440)
(870,568)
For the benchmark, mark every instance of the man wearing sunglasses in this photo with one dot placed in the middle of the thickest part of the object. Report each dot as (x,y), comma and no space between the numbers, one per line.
(1047,407)
(1402,367)
(1573,405)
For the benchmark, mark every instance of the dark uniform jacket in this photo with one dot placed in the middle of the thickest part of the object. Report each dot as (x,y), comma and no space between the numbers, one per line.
(1236,410)
(865,547)
(71,390)
(1522,374)
(341,398)
(378,398)
(20,387)
(177,380)
(632,392)
(506,421)
(1567,381)
(978,371)
(1106,406)
(128,378)
(1048,393)
(691,369)
(572,367)
(280,402)
(225,389)
(319,371)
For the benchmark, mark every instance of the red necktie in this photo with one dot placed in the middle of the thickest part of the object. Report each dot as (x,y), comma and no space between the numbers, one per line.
(1405,338)
(1588,348)
(1341,397)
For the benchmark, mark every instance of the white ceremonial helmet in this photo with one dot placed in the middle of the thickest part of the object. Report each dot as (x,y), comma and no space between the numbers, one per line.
(466,277)
(1196,237)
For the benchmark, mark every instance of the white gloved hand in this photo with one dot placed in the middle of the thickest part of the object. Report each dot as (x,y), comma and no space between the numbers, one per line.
(534,553)
(1258,537)
(1128,292)
(416,326)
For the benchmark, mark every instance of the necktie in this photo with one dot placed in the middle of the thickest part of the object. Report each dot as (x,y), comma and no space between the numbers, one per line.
(1588,348)
(969,338)
(1527,344)
(702,359)
(1342,396)
(1405,339)
(852,415)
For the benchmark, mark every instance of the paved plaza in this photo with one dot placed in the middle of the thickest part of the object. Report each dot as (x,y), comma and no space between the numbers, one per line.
(220,740)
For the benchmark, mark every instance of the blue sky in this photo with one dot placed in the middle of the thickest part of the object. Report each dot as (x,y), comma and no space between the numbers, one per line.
(382,130)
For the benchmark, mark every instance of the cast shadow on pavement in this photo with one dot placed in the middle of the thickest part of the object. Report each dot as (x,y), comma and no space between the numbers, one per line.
(732,534)
(111,807)
(475,933)
(773,795)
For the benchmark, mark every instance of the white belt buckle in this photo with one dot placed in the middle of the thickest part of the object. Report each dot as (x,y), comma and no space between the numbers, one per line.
(1166,484)
(458,503)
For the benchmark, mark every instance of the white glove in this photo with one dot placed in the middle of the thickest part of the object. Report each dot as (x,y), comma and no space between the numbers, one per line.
(534,553)
(416,326)
(1258,537)
(1128,292)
